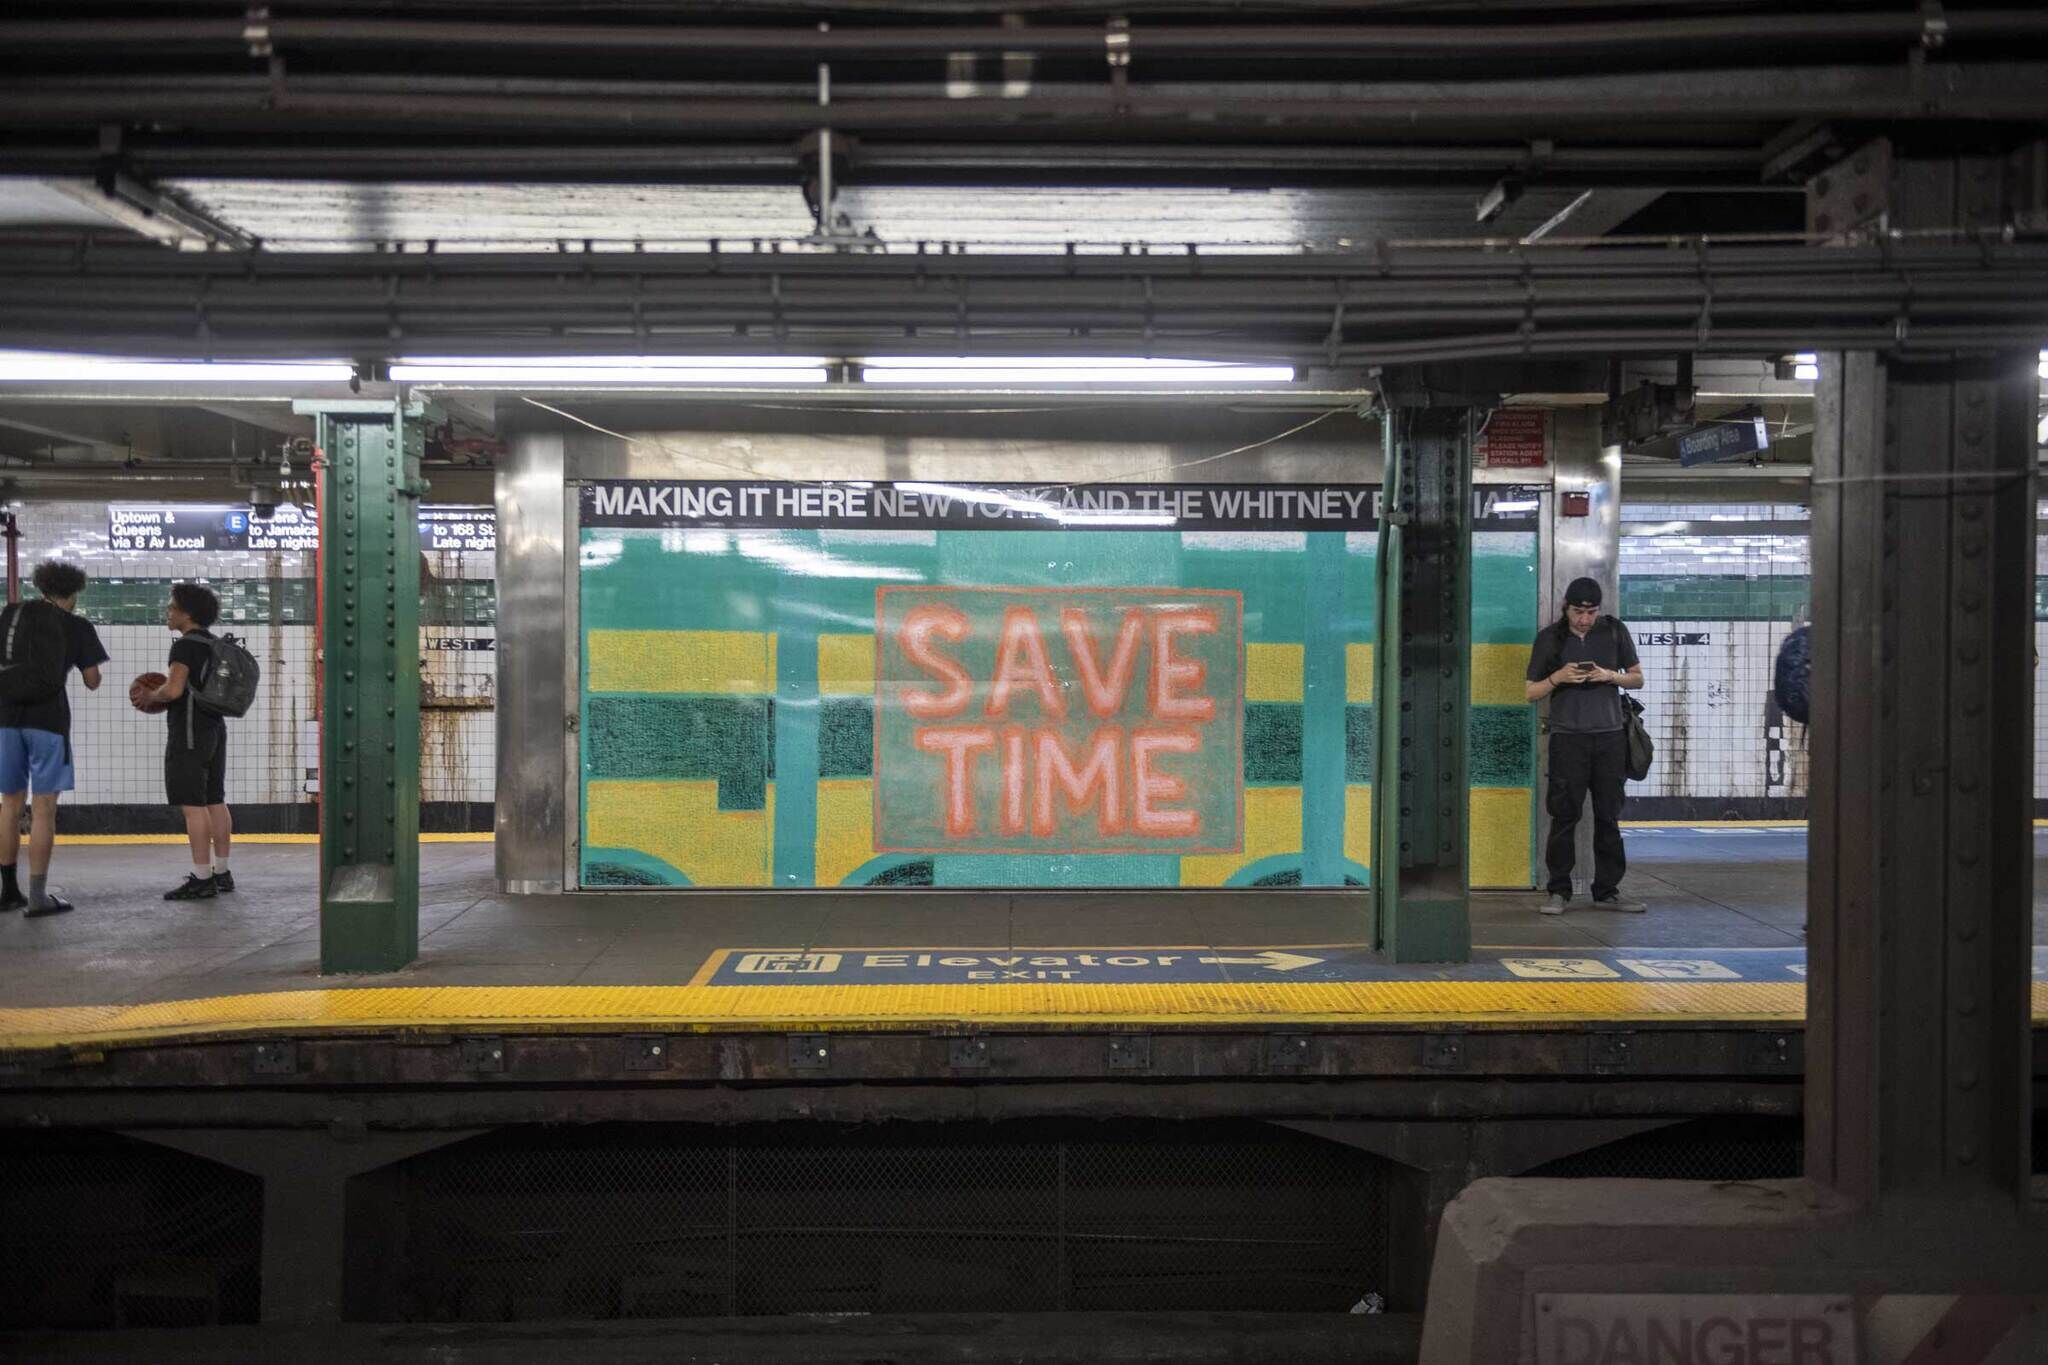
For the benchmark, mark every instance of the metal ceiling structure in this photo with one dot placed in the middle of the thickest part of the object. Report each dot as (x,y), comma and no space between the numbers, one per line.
(1339,187)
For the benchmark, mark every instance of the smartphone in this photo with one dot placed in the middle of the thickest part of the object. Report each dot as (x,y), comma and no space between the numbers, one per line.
(1583,667)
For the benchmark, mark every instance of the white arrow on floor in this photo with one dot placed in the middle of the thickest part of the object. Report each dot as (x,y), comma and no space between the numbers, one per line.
(1270,958)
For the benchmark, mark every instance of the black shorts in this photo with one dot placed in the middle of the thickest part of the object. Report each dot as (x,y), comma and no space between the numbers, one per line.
(197,776)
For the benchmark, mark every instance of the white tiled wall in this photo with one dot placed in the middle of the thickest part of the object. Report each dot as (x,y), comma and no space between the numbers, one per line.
(1708,705)
(273,751)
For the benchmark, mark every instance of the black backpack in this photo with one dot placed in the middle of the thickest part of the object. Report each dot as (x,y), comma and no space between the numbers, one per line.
(1793,683)
(229,687)
(32,645)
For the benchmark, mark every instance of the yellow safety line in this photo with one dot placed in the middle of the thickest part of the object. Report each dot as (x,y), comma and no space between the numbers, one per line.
(1713,824)
(1028,1005)
(1013,1005)
(118,840)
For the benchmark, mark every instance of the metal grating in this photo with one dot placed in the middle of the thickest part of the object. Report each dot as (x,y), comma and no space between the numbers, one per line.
(1702,1149)
(684,1220)
(104,1231)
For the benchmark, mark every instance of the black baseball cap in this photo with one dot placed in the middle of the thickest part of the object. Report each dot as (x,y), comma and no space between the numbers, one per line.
(1583,592)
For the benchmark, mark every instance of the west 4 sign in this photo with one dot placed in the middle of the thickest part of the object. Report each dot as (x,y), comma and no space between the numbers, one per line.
(1059,720)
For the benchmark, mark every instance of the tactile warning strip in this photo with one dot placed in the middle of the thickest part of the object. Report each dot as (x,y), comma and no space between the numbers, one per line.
(1025,1006)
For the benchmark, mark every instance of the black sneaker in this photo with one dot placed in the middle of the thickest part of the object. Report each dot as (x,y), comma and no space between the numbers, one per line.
(12,900)
(52,905)
(193,888)
(223,881)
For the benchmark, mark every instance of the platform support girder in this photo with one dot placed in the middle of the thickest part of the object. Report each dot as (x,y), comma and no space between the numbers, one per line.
(1921,869)
(370,672)
(1422,688)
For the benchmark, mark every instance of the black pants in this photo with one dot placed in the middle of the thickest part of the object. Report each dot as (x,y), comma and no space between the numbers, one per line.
(1580,764)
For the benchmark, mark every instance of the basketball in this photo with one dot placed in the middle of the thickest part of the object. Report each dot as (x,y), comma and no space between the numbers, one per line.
(147,682)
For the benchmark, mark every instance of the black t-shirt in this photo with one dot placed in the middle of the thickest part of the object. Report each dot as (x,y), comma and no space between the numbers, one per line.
(82,650)
(192,651)
(1584,708)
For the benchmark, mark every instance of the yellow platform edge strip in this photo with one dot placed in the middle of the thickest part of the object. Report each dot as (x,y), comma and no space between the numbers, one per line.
(120,840)
(1023,1006)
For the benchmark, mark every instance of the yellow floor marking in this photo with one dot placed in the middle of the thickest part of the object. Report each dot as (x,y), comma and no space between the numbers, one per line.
(119,840)
(1027,1005)
(704,1009)
(1715,824)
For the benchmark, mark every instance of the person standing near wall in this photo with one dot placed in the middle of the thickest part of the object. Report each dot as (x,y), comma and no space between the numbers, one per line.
(1580,663)
(196,758)
(44,641)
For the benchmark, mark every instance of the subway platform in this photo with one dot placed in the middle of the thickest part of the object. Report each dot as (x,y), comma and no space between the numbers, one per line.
(1720,942)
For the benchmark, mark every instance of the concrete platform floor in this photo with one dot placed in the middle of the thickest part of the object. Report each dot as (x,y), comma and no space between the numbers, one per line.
(1707,888)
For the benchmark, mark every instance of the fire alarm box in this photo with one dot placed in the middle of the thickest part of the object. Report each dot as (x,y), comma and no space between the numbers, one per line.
(1575,504)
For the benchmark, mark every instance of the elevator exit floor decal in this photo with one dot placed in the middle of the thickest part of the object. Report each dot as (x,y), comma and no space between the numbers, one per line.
(1294,963)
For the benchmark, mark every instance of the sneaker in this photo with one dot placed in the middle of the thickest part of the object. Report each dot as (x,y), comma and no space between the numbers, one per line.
(12,900)
(1554,905)
(193,888)
(1620,904)
(223,881)
(52,905)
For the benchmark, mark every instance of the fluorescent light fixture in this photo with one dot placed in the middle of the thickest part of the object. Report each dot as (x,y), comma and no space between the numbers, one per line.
(54,365)
(1064,370)
(576,370)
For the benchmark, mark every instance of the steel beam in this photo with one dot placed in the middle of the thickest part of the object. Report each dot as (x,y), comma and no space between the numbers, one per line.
(1921,870)
(370,488)
(1396,303)
(1420,870)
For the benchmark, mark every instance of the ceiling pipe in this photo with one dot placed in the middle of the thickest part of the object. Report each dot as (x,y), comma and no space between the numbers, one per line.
(1631,38)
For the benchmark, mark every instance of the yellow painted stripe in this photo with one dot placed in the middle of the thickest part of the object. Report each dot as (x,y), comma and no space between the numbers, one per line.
(722,662)
(1498,675)
(846,665)
(701,1008)
(117,840)
(1272,673)
(1723,824)
(1358,673)
(1498,836)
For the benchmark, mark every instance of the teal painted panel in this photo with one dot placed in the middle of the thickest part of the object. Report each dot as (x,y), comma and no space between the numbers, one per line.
(1505,608)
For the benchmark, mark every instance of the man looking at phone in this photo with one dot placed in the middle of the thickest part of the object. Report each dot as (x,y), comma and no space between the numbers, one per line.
(1580,663)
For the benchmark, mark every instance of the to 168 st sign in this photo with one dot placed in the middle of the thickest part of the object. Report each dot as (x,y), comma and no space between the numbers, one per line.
(1059,720)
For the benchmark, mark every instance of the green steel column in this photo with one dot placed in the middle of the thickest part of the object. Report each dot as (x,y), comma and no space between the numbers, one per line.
(370,670)
(1422,687)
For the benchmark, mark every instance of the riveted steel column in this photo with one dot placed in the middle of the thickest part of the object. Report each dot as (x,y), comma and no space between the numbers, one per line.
(1422,688)
(370,650)
(1920,879)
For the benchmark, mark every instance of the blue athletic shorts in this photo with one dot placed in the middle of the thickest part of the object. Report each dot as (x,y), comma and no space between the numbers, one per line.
(35,761)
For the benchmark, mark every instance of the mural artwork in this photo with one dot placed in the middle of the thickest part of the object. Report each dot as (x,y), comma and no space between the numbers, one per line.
(999,685)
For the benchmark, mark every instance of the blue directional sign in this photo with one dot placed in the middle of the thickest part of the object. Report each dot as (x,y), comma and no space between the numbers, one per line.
(996,966)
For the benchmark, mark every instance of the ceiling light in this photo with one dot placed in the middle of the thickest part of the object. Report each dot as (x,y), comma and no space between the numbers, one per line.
(575,370)
(1064,371)
(51,365)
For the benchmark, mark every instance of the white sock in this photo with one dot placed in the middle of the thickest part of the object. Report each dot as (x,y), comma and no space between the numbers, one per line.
(201,871)
(220,863)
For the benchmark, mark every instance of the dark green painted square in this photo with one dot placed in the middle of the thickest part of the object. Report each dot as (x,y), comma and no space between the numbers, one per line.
(1361,741)
(683,739)
(1272,743)
(1503,746)
(846,737)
